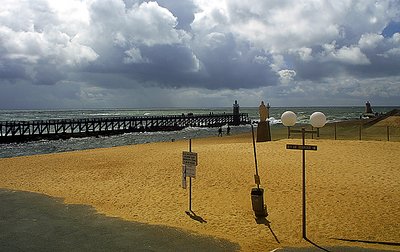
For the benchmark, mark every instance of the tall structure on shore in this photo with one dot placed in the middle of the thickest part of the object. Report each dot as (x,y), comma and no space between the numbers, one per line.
(368,108)
(263,129)
(236,114)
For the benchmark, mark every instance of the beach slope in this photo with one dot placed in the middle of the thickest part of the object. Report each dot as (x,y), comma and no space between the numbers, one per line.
(353,188)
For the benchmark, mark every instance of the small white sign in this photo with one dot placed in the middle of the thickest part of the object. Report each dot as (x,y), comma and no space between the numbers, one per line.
(189,158)
(191,171)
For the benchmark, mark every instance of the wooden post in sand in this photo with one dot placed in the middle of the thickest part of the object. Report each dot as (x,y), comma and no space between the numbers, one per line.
(388,133)
(335,134)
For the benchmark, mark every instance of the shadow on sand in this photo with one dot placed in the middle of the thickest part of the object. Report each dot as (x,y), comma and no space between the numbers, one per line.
(316,245)
(195,217)
(263,220)
(36,222)
(369,242)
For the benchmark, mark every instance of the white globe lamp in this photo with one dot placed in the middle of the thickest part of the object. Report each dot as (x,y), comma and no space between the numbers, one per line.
(318,119)
(289,118)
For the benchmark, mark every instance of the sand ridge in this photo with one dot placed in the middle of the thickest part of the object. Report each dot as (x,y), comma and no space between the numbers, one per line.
(353,188)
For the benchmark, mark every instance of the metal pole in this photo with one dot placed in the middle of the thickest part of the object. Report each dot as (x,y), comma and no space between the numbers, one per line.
(190,181)
(312,132)
(288,132)
(388,133)
(255,153)
(335,130)
(303,133)
(359,133)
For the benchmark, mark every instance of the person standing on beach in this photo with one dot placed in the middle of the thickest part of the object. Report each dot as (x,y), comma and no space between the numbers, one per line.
(228,130)
(220,132)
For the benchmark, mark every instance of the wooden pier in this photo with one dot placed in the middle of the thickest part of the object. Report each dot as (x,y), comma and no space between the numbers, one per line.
(22,131)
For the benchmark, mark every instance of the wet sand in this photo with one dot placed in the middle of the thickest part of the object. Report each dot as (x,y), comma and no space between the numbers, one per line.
(353,188)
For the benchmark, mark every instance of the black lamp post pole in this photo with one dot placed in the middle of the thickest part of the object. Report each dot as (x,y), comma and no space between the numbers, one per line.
(303,133)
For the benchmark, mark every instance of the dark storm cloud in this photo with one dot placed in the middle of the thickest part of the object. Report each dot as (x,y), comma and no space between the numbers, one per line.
(225,46)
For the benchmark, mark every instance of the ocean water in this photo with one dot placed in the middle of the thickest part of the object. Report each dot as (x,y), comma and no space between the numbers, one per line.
(52,146)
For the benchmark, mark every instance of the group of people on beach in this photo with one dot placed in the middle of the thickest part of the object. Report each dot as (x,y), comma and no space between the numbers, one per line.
(228,131)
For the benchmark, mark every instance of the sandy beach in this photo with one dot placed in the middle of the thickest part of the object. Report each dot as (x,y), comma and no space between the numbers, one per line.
(353,188)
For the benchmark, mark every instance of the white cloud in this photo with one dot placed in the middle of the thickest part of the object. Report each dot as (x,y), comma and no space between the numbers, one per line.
(278,62)
(370,40)
(348,55)
(351,55)
(286,76)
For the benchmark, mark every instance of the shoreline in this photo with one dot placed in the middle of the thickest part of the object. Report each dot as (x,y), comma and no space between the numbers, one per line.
(142,183)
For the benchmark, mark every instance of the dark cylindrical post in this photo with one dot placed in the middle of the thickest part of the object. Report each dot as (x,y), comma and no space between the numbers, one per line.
(303,133)
(312,132)
(388,133)
(359,132)
(190,181)
(288,132)
(335,128)
(255,153)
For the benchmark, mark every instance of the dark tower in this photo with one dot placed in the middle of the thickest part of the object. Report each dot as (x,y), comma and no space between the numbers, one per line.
(236,115)
(368,109)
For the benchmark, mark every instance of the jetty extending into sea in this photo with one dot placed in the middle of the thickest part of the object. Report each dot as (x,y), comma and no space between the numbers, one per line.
(22,131)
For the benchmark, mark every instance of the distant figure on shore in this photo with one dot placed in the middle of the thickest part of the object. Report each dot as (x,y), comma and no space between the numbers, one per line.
(220,132)
(263,111)
(228,130)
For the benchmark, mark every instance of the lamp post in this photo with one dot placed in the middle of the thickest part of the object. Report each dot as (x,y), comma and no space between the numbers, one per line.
(317,120)
(288,119)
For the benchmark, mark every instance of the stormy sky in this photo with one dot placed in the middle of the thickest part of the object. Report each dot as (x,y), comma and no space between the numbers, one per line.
(198,53)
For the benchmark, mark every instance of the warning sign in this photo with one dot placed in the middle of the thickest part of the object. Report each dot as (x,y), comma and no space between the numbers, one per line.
(189,158)
(191,171)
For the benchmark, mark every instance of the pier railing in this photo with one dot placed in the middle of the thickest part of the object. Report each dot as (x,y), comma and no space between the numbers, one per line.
(19,131)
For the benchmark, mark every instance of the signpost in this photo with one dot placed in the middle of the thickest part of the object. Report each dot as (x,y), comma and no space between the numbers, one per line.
(190,171)
(301,147)
(183,176)
(189,158)
(317,120)
(189,163)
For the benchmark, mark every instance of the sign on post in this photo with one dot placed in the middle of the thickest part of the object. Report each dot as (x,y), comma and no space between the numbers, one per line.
(190,171)
(183,176)
(189,163)
(301,147)
(189,158)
